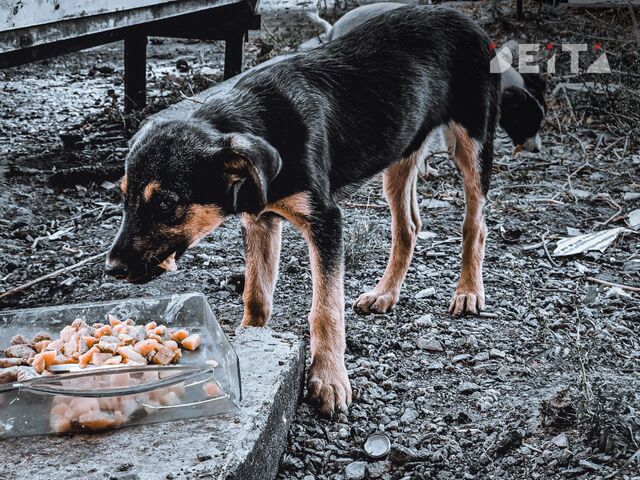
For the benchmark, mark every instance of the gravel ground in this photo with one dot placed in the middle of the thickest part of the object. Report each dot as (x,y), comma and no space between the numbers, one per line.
(544,385)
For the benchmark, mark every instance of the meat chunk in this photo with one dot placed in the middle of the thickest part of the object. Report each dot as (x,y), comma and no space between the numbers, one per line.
(24,352)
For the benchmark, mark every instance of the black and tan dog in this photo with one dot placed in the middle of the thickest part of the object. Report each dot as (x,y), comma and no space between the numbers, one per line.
(289,139)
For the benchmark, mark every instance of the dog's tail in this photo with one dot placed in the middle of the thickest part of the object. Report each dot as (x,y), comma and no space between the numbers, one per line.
(314,17)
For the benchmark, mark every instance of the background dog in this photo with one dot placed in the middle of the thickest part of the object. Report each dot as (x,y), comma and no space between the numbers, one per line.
(288,140)
(523,107)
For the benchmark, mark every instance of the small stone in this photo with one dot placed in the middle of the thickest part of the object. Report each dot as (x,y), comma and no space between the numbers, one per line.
(378,469)
(495,353)
(560,440)
(343,433)
(355,471)
(481,357)
(469,387)
(425,321)
(436,366)
(427,292)
(203,457)
(408,416)
(463,357)
(399,455)
(429,344)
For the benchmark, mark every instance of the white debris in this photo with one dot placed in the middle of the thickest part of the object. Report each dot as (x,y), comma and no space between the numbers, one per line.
(591,241)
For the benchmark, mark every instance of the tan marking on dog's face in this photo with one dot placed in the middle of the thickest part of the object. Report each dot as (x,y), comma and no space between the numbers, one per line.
(199,221)
(149,190)
(123,184)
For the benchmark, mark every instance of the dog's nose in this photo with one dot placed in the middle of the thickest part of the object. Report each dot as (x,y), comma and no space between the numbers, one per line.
(116,268)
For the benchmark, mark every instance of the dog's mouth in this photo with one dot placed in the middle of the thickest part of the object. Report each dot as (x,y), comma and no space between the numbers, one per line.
(151,271)
(169,263)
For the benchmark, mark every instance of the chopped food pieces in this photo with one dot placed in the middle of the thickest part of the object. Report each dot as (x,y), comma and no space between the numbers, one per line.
(212,389)
(191,342)
(17,340)
(40,337)
(114,342)
(25,352)
(163,356)
(11,362)
(179,335)
(130,355)
(8,375)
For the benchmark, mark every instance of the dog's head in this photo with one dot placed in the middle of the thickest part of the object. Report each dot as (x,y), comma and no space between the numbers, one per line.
(522,112)
(182,179)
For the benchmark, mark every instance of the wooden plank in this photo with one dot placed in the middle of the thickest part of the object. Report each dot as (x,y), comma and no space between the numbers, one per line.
(233,54)
(28,13)
(83,26)
(135,72)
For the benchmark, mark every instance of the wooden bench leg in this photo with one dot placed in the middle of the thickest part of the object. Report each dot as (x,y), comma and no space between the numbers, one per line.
(519,9)
(233,54)
(135,72)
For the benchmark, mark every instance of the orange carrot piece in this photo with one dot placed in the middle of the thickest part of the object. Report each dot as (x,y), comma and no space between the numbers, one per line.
(145,347)
(191,342)
(212,389)
(49,357)
(179,335)
(85,358)
(102,331)
(113,321)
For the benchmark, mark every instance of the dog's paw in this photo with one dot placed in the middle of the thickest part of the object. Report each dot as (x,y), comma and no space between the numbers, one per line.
(328,386)
(375,302)
(466,301)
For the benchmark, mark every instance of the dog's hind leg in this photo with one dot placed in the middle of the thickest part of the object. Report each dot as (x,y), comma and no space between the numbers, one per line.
(399,181)
(469,294)
(262,247)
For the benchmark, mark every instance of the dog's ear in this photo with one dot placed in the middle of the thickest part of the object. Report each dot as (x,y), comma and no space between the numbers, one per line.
(511,98)
(250,167)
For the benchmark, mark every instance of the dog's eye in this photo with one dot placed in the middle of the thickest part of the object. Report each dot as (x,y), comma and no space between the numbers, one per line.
(166,205)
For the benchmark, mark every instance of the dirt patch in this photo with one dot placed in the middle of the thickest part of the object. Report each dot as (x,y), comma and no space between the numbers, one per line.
(543,386)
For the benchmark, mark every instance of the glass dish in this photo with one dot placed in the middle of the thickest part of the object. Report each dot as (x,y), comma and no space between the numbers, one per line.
(204,382)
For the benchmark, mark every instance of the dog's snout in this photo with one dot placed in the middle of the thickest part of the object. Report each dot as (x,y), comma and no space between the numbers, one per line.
(116,268)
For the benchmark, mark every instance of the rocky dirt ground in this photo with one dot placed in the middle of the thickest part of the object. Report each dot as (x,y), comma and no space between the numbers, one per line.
(544,385)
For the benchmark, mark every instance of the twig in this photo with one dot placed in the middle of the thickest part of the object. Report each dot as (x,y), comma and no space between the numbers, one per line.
(273,37)
(611,284)
(613,203)
(544,245)
(364,205)
(586,164)
(48,276)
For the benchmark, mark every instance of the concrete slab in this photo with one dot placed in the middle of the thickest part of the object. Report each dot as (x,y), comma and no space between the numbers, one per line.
(244,446)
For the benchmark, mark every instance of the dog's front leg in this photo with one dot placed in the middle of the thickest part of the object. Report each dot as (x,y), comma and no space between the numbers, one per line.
(262,246)
(328,383)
